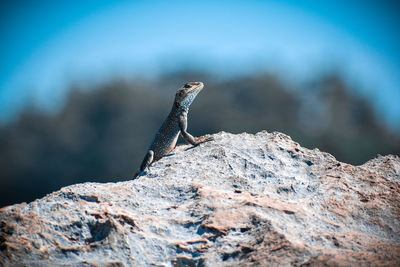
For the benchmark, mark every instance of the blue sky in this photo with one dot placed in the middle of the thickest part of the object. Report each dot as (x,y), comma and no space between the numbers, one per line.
(47,45)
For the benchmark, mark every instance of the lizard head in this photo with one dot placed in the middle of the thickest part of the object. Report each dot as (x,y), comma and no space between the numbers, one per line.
(187,93)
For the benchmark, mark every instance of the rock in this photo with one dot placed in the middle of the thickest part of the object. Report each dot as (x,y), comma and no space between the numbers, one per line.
(243,199)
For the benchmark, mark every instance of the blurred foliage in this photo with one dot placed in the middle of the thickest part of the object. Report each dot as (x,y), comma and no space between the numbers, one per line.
(102,133)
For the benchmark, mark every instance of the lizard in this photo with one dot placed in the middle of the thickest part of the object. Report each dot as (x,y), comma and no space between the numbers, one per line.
(176,123)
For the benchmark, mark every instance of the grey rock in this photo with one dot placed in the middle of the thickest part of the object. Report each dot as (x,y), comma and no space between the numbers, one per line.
(241,200)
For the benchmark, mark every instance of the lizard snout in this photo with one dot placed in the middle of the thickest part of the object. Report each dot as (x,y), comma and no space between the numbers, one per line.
(191,84)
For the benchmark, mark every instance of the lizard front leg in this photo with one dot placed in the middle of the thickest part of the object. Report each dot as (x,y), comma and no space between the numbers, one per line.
(148,159)
(187,136)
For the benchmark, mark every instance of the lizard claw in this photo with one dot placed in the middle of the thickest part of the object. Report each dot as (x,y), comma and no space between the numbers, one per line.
(208,138)
(204,139)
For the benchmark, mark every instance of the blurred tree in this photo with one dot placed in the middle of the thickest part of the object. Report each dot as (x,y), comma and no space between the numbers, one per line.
(101,134)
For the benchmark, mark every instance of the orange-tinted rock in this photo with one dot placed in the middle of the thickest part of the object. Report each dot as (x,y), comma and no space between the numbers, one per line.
(241,200)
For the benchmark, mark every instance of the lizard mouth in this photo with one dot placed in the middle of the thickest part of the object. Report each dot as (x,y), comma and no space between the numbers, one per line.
(193,86)
(198,86)
(196,83)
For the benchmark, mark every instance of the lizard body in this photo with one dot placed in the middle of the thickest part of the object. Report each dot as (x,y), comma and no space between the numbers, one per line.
(176,123)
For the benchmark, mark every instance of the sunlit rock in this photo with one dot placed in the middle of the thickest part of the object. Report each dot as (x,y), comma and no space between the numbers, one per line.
(242,199)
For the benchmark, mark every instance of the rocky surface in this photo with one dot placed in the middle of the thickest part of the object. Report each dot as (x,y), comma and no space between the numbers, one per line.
(243,199)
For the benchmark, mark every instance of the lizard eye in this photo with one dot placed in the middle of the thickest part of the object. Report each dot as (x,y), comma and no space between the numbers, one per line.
(187,86)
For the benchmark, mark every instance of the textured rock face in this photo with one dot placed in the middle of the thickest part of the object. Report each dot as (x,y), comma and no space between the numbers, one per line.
(239,200)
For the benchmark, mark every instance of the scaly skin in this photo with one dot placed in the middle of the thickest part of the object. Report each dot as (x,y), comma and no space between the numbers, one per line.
(176,123)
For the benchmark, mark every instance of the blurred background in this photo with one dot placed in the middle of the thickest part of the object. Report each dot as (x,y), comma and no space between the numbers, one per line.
(84,85)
